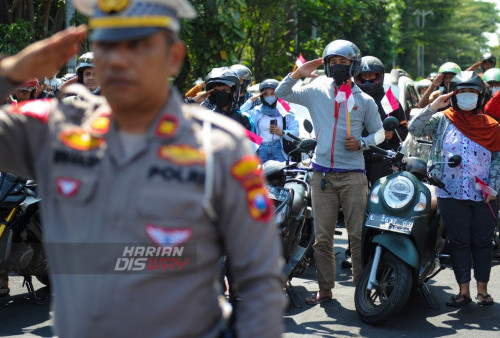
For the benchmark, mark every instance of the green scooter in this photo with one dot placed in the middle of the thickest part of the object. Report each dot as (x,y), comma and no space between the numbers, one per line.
(402,235)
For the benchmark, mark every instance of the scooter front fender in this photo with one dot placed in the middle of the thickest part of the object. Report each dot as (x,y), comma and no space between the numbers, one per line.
(401,246)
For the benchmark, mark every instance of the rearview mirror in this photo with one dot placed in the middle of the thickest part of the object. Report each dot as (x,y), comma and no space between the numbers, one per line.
(308,126)
(391,123)
(454,161)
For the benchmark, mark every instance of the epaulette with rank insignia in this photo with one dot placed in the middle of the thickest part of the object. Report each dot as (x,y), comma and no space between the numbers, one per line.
(38,109)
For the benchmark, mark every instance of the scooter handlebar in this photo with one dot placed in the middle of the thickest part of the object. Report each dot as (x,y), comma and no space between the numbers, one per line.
(379,150)
(293,137)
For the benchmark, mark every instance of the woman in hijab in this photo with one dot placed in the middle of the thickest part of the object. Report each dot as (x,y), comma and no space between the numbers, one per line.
(468,204)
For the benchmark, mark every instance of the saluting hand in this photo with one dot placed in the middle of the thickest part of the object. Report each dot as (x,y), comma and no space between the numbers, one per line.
(437,80)
(307,68)
(441,102)
(202,96)
(44,57)
(255,97)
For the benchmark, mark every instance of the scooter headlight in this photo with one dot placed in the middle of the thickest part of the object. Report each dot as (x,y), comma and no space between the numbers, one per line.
(398,192)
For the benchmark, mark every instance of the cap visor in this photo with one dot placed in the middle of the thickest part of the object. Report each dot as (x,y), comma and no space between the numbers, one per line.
(120,34)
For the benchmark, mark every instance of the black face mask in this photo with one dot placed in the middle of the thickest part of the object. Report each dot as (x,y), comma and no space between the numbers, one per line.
(340,73)
(220,98)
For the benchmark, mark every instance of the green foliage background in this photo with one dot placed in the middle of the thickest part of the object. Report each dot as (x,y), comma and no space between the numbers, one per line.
(267,36)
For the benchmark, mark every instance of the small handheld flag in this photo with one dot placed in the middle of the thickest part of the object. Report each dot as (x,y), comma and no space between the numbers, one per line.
(345,95)
(256,139)
(486,190)
(299,62)
(282,106)
(389,102)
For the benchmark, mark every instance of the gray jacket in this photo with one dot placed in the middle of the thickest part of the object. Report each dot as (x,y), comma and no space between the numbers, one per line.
(319,98)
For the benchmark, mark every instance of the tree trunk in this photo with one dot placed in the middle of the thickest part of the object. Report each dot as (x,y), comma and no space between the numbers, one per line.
(31,13)
(58,22)
(46,17)
(16,10)
(5,15)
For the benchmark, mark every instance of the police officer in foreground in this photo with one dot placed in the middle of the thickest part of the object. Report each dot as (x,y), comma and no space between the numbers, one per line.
(143,194)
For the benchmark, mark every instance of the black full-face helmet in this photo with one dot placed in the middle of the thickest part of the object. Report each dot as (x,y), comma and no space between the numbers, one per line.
(224,75)
(343,48)
(84,61)
(243,73)
(370,65)
(488,57)
(467,79)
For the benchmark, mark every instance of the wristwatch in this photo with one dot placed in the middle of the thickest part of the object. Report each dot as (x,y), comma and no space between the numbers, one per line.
(362,144)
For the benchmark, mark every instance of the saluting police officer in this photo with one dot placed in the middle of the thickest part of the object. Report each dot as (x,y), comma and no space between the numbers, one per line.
(142,194)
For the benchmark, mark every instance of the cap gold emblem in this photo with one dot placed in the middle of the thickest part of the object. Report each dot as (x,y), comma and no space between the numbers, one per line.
(112,6)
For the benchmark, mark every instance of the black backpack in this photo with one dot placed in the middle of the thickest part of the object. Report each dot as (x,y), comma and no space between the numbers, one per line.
(288,146)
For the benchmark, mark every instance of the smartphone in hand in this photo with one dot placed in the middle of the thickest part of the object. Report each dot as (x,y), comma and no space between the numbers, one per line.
(273,122)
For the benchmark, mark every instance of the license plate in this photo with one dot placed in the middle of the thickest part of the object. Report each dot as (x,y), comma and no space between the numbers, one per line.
(389,223)
(278,194)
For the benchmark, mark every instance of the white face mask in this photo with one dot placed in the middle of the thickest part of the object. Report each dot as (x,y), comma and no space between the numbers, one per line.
(467,101)
(494,90)
(270,99)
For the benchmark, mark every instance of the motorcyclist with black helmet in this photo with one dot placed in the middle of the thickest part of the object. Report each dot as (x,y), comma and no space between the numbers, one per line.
(371,81)
(245,75)
(338,178)
(222,90)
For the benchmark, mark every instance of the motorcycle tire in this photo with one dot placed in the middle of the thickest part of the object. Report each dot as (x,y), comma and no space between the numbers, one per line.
(384,301)
(44,279)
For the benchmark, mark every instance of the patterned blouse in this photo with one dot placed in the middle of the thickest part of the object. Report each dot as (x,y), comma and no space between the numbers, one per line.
(476,161)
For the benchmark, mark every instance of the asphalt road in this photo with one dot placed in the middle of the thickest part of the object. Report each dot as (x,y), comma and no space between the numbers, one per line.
(338,318)
(21,315)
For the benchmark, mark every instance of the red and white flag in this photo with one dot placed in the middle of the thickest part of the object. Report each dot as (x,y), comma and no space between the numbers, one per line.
(345,94)
(299,62)
(256,139)
(389,102)
(282,107)
(486,189)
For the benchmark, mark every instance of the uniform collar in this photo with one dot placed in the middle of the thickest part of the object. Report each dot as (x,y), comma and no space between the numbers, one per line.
(168,126)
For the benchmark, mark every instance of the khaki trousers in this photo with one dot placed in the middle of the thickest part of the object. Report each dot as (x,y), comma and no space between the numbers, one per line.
(349,190)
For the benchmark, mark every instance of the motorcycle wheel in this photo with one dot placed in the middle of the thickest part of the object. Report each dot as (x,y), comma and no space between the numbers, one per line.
(394,279)
(44,279)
